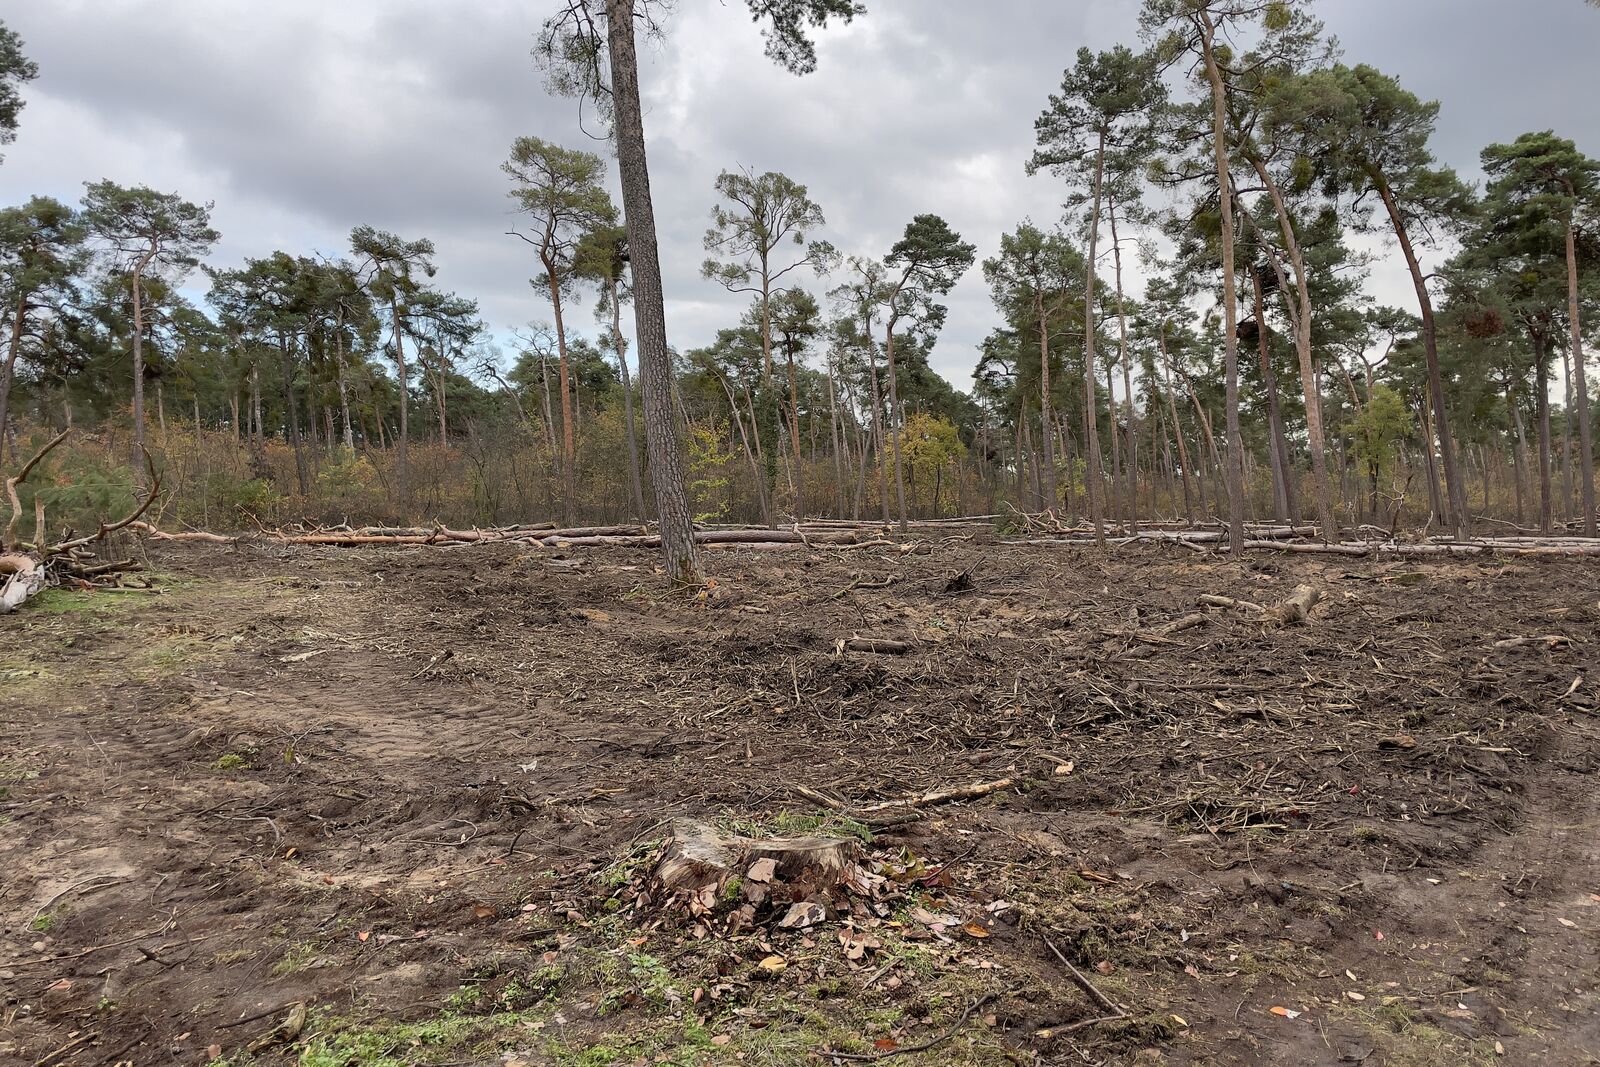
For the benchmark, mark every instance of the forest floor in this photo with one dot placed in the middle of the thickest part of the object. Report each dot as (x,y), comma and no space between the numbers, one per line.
(410,790)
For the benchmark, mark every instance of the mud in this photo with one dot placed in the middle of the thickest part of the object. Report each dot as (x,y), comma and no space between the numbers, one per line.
(402,787)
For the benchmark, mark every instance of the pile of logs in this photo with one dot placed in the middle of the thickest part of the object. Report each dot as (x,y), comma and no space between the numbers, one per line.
(29,567)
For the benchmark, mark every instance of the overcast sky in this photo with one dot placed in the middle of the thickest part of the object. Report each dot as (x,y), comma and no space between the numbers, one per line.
(303,118)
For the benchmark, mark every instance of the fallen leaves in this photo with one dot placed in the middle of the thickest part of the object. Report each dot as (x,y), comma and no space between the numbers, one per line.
(1287,1013)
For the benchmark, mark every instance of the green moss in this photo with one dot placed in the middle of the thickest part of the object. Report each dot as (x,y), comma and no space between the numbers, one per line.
(43,923)
(233,761)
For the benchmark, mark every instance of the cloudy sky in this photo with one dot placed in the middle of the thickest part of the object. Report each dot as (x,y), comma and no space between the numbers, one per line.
(303,118)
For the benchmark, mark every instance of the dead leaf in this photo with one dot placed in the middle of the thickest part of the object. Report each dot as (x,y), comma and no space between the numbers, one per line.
(1568,923)
(1064,768)
(802,914)
(774,964)
(364,935)
(482,911)
(975,930)
(1357,997)
(61,986)
(1104,967)
(1190,970)
(1181,1021)
(591,614)
(1287,1013)
(933,919)
(885,1044)
(762,870)
(721,1039)
(1400,741)
(214,1051)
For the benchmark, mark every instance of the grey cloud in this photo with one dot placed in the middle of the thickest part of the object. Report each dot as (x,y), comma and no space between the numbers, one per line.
(304,118)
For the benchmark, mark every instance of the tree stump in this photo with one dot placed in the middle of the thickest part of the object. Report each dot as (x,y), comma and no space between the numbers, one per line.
(704,871)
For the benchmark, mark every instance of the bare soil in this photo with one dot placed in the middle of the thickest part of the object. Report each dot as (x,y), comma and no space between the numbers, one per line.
(409,789)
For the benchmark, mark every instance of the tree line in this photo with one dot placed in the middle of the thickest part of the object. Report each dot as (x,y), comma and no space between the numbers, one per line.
(1232,161)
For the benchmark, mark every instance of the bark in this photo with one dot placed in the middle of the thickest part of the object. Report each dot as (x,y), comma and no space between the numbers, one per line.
(1177,424)
(897,420)
(1091,433)
(797,475)
(1052,499)
(1541,379)
(1283,496)
(1230,312)
(1519,453)
(1315,436)
(138,358)
(877,425)
(401,475)
(680,554)
(291,414)
(1580,379)
(1456,492)
(8,372)
(1127,378)
(344,396)
(840,459)
(1567,499)
(568,438)
(627,404)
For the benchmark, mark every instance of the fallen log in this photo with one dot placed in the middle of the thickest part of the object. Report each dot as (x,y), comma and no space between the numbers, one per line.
(904,808)
(25,579)
(883,646)
(1211,600)
(1297,606)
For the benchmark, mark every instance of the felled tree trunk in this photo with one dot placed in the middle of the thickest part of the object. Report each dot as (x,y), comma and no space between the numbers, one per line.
(25,579)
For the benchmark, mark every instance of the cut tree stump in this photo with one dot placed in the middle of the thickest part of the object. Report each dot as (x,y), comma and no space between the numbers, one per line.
(797,880)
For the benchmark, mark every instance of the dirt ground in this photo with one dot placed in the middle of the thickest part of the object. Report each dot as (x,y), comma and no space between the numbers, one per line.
(411,791)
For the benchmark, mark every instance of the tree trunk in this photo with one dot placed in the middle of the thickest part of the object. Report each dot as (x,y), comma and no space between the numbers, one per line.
(1127,378)
(291,414)
(679,551)
(1435,503)
(401,475)
(1177,424)
(1230,312)
(1519,453)
(8,372)
(1580,378)
(840,459)
(1456,492)
(1315,435)
(1541,379)
(344,397)
(897,420)
(1052,497)
(1282,494)
(627,404)
(138,364)
(1091,432)
(877,427)
(797,475)
(564,383)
